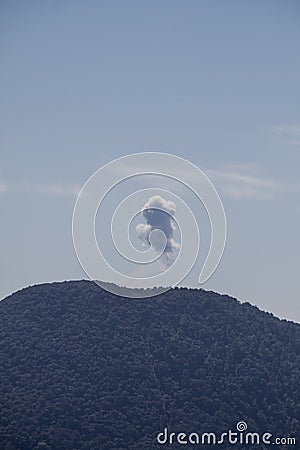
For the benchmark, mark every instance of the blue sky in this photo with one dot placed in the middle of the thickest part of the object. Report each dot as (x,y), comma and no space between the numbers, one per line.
(214,82)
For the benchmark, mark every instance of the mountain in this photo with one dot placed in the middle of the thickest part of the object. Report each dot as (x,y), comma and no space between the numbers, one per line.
(85,369)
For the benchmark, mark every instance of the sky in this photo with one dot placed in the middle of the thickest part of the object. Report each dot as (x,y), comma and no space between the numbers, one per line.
(216,83)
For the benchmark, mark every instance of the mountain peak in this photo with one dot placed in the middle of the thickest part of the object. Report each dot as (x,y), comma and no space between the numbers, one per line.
(87,369)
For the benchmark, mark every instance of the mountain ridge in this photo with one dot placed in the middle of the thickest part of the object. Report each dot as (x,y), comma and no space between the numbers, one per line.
(126,288)
(86,369)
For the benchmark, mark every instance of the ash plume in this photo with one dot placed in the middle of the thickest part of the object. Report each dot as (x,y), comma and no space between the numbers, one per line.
(158,214)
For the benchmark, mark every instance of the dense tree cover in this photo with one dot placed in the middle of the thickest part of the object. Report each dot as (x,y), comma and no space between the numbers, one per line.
(84,369)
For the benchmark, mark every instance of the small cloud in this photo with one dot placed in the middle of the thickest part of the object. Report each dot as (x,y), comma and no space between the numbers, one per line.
(59,190)
(291,130)
(248,167)
(3,187)
(158,214)
(293,143)
(287,134)
(63,190)
(237,134)
(240,181)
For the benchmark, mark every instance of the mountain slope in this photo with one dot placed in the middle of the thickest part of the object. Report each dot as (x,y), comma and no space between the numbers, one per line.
(84,369)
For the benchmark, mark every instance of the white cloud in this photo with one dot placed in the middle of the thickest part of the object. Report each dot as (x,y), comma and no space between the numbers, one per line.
(3,187)
(242,135)
(158,214)
(293,142)
(62,190)
(243,178)
(291,129)
(240,181)
(59,190)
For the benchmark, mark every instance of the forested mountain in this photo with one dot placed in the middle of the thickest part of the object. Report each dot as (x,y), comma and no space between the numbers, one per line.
(84,369)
